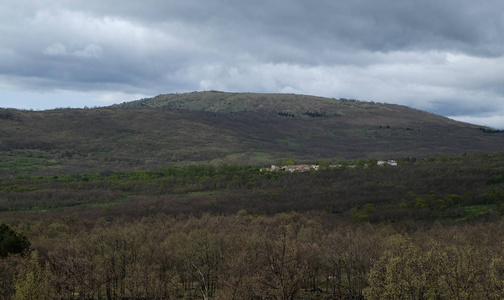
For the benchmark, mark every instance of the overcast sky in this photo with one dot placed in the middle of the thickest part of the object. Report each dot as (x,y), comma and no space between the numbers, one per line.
(445,57)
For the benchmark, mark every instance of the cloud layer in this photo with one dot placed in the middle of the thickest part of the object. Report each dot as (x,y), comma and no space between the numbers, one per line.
(441,56)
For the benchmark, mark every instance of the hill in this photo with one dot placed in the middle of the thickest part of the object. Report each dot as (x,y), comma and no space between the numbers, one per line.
(217,127)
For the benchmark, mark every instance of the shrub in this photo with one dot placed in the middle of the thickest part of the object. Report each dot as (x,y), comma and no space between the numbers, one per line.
(11,242)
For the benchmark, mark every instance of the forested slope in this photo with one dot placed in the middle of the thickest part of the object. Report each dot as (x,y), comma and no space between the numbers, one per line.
(214,127)
(235,232)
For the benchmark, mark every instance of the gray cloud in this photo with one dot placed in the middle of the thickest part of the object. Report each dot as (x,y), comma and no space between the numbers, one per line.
(442,56)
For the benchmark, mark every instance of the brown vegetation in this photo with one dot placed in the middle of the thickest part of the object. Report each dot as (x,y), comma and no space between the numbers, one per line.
(425,228)
(246,257)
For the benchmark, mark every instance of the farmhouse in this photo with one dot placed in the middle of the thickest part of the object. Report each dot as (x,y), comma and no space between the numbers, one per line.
(389,162)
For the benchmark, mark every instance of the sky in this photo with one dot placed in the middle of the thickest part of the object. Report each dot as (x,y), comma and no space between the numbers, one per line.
(445,57)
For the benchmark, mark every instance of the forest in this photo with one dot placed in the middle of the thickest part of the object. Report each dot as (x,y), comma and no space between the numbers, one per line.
(429,228)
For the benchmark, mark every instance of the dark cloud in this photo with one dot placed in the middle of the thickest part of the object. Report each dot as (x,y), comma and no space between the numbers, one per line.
(465,26)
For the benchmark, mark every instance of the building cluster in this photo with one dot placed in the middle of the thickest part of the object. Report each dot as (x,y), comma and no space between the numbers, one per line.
(304,168)
(293,168)
(389,162)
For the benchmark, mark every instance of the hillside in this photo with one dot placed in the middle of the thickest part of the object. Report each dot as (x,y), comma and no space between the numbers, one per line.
(218,127)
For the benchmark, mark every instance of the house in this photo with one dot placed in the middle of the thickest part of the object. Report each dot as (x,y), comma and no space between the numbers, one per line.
(389,162)
(392,162)
(335,166)
(381,163)
(297,168)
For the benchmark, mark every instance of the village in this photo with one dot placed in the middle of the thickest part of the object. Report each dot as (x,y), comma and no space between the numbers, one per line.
(306,167)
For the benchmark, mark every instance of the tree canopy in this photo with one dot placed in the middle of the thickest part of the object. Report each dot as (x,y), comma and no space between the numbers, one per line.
(11,242)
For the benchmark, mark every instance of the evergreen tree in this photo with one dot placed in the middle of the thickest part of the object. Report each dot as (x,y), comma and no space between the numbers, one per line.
(11,242)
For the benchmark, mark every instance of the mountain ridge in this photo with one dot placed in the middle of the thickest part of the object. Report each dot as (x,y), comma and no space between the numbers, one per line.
(218,101)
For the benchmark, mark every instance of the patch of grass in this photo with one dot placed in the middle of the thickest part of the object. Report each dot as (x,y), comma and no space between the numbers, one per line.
(477,209)
(288,142)
(19,165)
(367,133)
(201,193)
(261,155)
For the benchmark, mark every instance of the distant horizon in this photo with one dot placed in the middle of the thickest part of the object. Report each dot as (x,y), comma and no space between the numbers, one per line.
(497,124)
